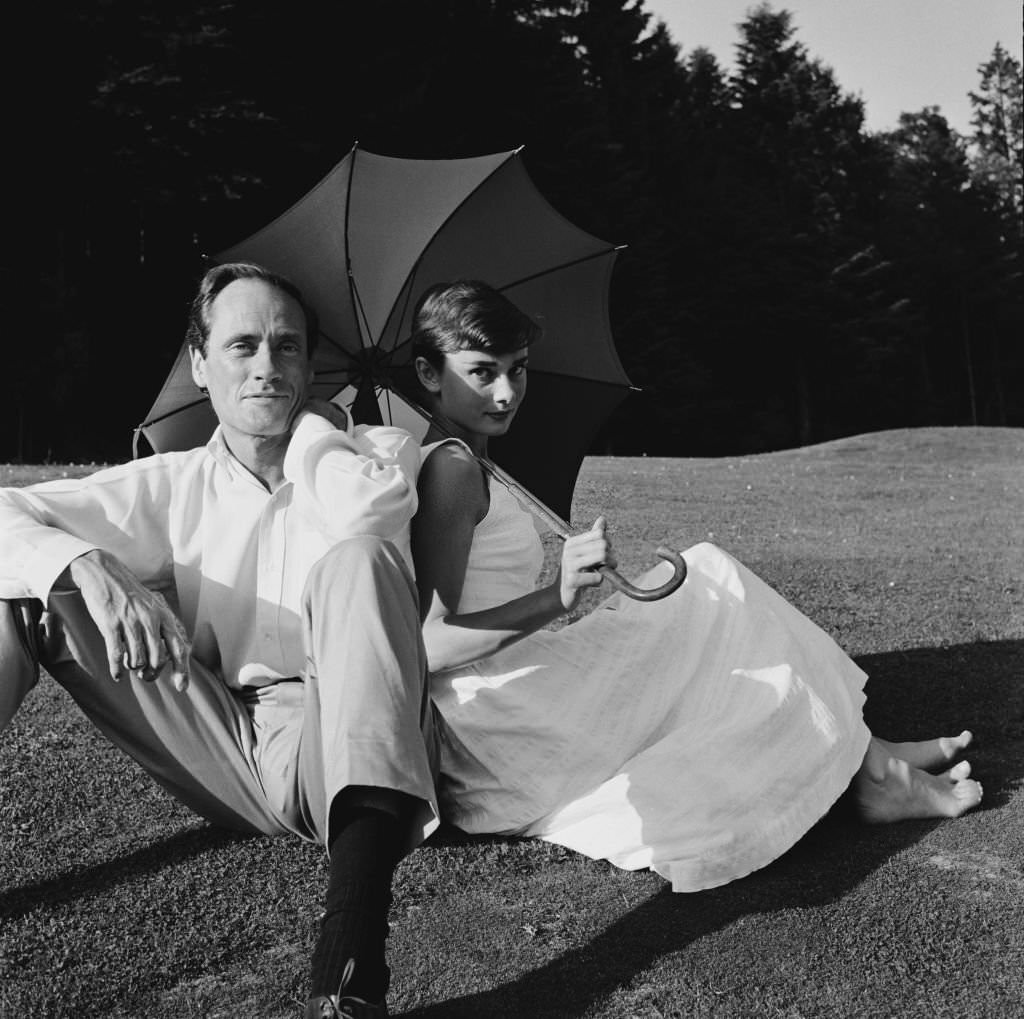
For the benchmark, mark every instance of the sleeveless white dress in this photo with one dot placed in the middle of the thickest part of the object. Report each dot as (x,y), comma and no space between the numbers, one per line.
(700,736)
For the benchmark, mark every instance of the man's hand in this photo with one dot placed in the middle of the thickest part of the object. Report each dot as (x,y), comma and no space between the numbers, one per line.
(139,629)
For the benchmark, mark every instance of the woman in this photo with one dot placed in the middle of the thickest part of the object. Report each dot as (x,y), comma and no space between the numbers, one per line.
(701,735)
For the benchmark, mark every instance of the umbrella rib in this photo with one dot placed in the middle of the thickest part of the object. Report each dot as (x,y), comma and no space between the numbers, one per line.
(407,286)
(176,410)
(533,372)
(610,250)
(341,350)
(548,371)
(334,343)
(357,300)
(387,398)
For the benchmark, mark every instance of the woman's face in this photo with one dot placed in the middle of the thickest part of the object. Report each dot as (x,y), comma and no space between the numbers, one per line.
(478,392)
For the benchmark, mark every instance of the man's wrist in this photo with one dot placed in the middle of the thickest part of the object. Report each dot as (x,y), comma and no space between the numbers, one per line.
(70,578)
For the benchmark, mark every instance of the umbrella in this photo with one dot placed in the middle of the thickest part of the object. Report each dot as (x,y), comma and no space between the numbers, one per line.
(365,242)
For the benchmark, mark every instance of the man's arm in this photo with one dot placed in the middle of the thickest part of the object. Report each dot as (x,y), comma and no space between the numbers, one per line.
(355,480)
(99,535)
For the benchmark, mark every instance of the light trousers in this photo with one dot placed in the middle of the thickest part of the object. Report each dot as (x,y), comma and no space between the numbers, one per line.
(270,759)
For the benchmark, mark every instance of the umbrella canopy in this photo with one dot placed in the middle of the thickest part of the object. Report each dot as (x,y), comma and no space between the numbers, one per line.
(366,241)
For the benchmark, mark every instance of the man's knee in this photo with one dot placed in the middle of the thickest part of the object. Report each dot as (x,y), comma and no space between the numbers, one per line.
(364,556)
(362,583)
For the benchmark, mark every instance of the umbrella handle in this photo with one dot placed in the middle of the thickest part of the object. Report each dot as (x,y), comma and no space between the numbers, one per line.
(649,593)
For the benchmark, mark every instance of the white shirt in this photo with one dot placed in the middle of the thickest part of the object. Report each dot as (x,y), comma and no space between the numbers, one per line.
(229,555)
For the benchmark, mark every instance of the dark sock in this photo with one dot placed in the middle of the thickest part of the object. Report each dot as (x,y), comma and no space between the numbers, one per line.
(365,848)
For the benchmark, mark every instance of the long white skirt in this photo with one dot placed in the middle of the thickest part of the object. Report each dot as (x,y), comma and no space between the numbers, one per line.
(700,736)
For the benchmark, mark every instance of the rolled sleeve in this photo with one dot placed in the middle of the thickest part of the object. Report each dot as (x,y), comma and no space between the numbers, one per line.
(353,481)
(44,527)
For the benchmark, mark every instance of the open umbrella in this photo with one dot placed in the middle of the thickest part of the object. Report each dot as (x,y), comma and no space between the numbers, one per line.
(365,242)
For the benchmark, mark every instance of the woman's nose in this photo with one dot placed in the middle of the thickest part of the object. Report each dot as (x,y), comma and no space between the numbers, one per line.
(504,391)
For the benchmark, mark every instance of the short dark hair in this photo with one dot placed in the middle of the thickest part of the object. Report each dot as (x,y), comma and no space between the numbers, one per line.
(218,277)
(468,314)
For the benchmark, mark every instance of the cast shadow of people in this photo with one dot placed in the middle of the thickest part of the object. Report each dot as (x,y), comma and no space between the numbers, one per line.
(911,694)
(94,880)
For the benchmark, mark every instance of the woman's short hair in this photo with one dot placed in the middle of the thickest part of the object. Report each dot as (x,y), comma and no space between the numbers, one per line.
(468,315)
(197,334)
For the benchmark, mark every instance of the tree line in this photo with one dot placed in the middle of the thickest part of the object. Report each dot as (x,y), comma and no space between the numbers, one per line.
(788,277)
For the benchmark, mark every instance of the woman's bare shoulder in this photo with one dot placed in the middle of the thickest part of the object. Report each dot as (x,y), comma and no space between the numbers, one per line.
(451,476)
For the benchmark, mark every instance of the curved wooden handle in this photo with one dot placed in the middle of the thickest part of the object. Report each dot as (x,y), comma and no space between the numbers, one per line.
(652,593)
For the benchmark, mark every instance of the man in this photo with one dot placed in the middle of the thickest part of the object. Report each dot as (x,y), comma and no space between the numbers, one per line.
(236,619)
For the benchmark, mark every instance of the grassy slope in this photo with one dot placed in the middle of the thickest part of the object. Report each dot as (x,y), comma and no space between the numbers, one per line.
(907,546)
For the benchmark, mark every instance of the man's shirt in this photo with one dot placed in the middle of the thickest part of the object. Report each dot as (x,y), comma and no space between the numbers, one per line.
(231,557)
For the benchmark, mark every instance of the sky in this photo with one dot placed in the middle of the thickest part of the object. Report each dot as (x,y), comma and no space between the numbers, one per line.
(897,55)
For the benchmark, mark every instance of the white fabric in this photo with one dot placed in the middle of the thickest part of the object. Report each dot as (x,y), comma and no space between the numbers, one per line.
(202,529)
(701,735)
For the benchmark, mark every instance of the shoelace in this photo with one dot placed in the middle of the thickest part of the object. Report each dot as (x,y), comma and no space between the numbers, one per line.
(347,1007)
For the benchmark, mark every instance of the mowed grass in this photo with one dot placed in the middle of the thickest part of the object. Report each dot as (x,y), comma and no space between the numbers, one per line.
(907,546)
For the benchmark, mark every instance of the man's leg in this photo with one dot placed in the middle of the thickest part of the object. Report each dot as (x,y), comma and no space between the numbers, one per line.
(367,757)
(197,744)
(368,833)
(19,655)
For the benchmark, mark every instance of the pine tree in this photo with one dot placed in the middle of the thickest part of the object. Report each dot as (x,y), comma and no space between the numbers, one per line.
(797,141)
(952,256)
(998,161)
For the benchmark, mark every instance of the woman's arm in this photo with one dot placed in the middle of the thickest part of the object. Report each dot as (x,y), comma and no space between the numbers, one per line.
(452,501)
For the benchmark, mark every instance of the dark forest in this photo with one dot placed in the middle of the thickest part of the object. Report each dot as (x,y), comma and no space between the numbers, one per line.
(788,276)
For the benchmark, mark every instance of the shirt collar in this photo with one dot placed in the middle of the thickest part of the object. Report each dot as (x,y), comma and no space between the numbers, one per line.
(218,449)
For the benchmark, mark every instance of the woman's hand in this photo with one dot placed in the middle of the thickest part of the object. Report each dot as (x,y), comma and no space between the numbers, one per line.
(581,555)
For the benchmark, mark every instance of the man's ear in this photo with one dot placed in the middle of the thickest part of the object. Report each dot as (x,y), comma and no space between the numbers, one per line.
(430,378)
(198,368)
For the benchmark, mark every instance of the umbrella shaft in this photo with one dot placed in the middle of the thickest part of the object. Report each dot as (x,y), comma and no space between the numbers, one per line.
(548,515)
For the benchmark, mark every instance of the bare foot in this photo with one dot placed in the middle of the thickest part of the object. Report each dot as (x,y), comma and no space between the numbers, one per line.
(888,788)
(929,754)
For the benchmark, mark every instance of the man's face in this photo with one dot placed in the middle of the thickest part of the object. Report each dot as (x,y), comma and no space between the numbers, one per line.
(257,366)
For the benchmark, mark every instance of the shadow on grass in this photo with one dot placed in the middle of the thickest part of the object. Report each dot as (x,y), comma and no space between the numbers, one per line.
(911,694)
(939,691)
(74,884)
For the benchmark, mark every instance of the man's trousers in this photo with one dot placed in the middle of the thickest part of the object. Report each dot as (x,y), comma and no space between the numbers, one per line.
(270,759)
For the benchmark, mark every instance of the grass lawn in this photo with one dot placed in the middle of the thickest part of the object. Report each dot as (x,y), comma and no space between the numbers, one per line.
(907,546)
